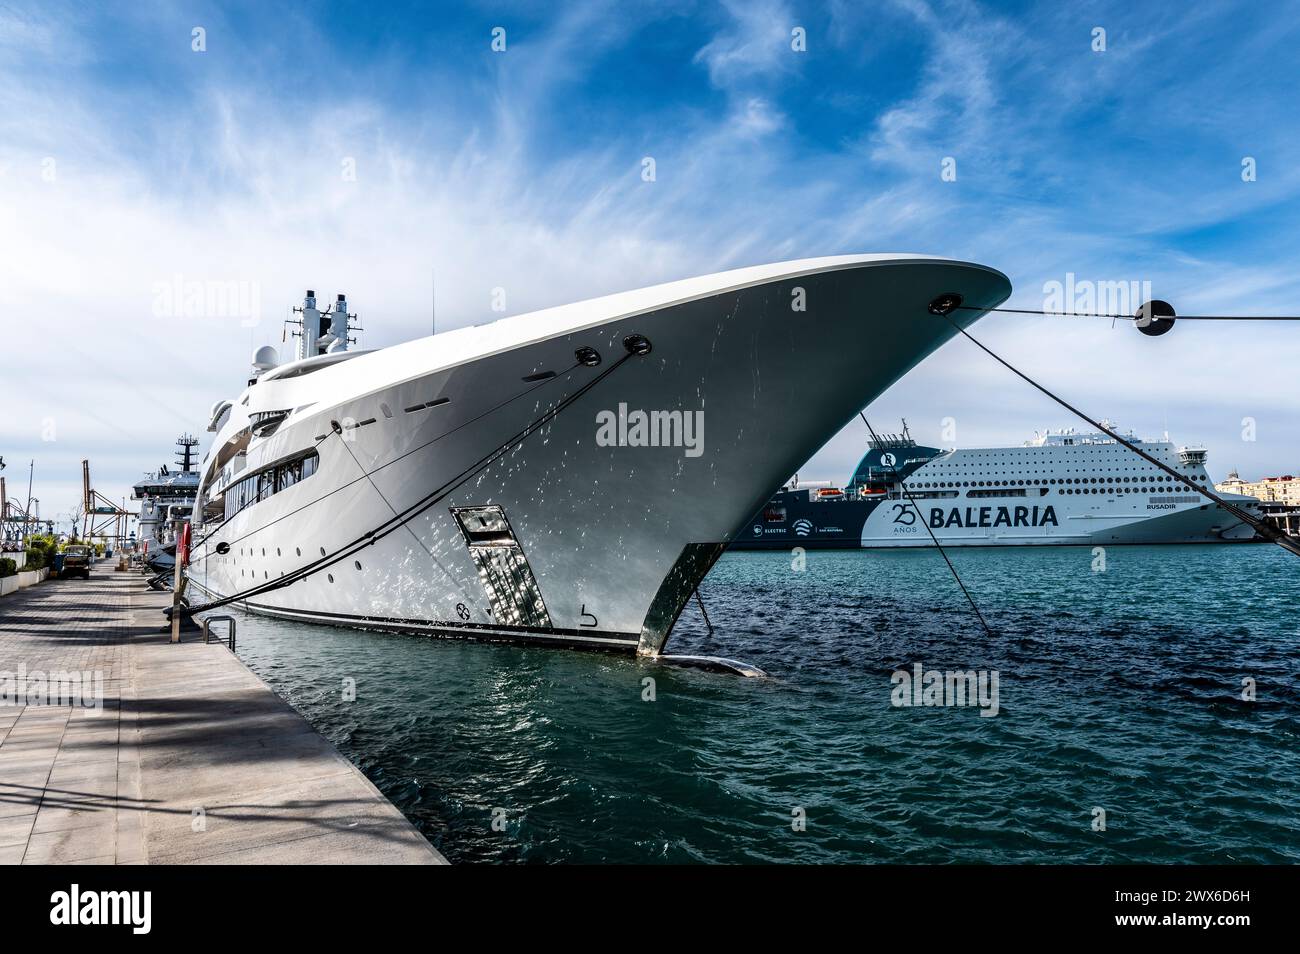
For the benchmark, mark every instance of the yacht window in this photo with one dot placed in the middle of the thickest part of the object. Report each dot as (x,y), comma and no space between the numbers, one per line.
(268,482)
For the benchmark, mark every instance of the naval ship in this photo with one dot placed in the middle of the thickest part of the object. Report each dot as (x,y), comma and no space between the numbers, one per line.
(1060,488)
(534,479)
(166,497)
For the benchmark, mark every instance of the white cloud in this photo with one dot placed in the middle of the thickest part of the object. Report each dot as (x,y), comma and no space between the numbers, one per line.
(756,44)
(240,191)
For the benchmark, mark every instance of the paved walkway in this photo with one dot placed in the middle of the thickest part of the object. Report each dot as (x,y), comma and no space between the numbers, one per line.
(191,758)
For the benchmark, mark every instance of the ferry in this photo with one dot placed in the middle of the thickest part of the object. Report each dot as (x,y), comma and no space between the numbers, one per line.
(1060,488)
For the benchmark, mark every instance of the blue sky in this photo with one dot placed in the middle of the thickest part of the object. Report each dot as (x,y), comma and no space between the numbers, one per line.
(127,159)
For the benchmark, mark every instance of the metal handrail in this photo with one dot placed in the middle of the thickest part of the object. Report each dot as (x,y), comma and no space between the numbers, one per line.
(229,641)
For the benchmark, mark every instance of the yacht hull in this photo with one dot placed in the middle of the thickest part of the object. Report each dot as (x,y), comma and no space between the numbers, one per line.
(584,532)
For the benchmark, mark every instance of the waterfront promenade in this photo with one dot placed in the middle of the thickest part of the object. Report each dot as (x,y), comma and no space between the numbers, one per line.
(192,759)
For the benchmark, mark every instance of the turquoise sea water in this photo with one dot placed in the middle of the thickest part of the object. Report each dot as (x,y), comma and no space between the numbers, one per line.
(1118,690)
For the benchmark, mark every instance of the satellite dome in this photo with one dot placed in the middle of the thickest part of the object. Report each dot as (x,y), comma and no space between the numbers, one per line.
(265,358)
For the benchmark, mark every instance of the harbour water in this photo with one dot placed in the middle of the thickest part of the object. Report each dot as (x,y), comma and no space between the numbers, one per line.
(1119,690)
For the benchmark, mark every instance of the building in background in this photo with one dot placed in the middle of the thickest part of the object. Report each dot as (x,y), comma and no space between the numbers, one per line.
(1279,498)
(1281,490)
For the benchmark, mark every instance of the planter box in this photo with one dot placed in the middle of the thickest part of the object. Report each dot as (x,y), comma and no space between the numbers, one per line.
(23,580)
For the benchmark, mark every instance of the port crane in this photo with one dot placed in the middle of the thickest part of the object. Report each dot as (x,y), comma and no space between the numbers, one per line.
(103,518)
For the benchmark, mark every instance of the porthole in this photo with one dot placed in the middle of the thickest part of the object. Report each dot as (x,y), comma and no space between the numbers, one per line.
(357,564)
(322,551)
(277,551)
(330,577)
(298,550)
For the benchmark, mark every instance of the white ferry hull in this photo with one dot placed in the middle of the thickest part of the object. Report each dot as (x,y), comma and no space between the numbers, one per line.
(1196,523)
(598,546)
(1062,490)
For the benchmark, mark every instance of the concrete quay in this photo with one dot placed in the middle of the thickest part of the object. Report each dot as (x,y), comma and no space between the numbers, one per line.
(191,758)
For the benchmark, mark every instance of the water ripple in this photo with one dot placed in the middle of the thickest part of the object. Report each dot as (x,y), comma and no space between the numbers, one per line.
(1119,691)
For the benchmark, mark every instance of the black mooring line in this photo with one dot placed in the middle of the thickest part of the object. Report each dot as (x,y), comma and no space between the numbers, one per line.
(419,447)
(1262,527)
(401,519)
(702,611)
(908,494)
(1076,314)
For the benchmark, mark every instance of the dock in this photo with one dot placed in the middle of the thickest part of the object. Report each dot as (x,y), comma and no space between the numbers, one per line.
(190,757)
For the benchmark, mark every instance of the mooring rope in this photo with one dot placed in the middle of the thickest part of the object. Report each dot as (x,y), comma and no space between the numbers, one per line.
(1265,529)
(398,520)
(331,433)
(703,612)
(1042,312)
(930,530)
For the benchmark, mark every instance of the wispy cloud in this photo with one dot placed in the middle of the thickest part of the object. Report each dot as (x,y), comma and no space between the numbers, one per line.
(754,44)
(522,171)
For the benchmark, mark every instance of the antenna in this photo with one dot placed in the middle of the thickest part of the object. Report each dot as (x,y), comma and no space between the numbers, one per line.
(185,454)
(323,332)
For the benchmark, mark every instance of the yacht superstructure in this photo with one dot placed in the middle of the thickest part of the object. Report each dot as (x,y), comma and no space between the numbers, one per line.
(565,476)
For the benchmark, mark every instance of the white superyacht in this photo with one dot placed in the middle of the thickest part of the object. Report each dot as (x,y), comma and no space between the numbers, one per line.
(470,484)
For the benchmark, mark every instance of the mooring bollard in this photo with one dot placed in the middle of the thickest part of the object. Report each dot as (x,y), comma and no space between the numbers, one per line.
(176,602)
